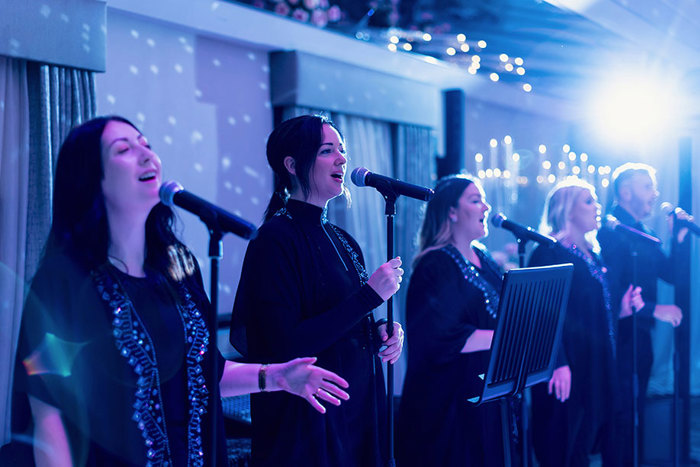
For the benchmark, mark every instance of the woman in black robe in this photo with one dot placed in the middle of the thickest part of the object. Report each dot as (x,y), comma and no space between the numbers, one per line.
(304,291)
(573,414)
(114,356)
(451,310)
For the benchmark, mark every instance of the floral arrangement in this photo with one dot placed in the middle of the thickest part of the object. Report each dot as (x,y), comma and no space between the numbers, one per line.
(317,12)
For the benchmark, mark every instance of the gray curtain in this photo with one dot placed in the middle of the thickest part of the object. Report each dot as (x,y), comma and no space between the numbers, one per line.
(38,106)
(14,172)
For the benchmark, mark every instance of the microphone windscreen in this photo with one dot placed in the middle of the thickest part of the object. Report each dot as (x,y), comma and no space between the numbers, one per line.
(168,190)
(358,176)
(611,222)
(667,208)
(498,219)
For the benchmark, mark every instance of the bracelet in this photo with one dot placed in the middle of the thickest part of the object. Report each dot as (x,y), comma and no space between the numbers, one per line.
(261,377)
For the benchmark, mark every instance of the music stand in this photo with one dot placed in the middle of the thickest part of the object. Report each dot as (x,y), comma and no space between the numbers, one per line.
(531,315)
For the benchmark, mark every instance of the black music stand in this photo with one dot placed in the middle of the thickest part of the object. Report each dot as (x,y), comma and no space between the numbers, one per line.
(531,315)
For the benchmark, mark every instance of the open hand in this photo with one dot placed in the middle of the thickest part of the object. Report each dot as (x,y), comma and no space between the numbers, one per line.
(301,378)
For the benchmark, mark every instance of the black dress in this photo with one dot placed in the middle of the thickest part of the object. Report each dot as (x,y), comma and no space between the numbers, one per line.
(110,351)
(566,433)
(437,424)
(302,293)
(652,265)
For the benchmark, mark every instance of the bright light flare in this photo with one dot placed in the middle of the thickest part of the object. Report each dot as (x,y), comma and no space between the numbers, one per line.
(635,109)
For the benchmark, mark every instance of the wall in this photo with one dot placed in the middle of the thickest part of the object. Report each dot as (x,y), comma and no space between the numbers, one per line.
(204,105)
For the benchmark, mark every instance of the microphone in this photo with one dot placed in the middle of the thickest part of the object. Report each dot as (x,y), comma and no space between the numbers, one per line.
(523,232)
(173,194)
(363,177)
(671,211)
(612,223)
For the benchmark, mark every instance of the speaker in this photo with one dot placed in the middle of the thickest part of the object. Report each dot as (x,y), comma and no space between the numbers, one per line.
(455,117)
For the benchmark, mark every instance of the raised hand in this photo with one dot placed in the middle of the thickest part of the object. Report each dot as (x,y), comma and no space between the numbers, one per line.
(386,279)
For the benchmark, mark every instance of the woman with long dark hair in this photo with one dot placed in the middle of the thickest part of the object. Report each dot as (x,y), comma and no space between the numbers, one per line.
(573,414)
(304,290)
(451,314)
(115,352)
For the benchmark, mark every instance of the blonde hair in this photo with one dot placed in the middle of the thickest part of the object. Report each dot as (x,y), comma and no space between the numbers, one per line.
(558,208)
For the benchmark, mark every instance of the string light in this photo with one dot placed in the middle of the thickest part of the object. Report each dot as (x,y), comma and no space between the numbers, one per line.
(572,156)
(503,58)
(516,157)
(427,37)
(391,47)
(464,47)
(507,139)
(566,148)
(451,51)
(520,70)
(494,77)
(527,87)
(481,44)
(561,165)
(394,39)
(518,61)
(546,165)
(461,37)
(542,148)
(551,178)
(493,143)
(407,47)
(584,157)
(479,157)
(509,67)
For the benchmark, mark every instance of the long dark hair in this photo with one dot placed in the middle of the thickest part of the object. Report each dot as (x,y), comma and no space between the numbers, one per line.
(436,229)
(300,138)
(79,227)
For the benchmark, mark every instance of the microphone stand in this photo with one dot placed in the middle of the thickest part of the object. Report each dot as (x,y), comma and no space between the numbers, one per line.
(524,419)
(390,196)
(635,373)
(216,252)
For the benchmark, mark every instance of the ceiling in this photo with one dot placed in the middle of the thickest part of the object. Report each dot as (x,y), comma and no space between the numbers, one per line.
(564,44)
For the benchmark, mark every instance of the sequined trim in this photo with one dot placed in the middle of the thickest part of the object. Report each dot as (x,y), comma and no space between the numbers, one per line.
(598,273)
(134,343)
(283,212)
(361,271)
(471,275)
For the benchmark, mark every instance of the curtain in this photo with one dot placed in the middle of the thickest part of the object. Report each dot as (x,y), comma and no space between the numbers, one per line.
(14,172)
(39,104)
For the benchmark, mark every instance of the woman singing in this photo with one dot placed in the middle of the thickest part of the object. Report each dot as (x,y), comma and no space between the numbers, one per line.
(115,351)
(451,312)
(573,414)
(304,290)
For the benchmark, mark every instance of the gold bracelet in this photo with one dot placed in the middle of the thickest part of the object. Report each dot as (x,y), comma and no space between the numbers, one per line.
(261,377)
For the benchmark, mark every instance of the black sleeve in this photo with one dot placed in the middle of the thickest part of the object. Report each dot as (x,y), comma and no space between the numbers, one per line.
(617,258)
(269,300)
(48,342)
(438,322)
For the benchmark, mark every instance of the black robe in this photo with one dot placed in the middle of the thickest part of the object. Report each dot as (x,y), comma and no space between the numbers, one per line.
(565,433)
(300,295)
(67,358)
(652,265)
(437,425)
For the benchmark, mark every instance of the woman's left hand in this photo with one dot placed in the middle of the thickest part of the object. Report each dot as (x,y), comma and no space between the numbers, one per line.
(391,348)
(302,378)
